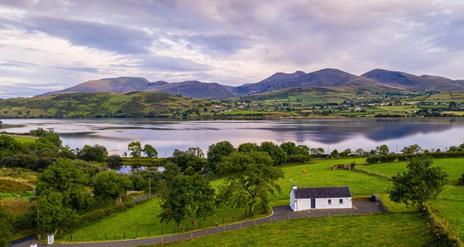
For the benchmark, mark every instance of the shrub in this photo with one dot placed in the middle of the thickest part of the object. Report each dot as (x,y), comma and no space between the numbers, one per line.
(461,180)
(297,158)
(439,233)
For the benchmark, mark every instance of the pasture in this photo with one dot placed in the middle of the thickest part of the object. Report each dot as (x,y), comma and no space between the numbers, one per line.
(406,229)
(402,222)
(453,166)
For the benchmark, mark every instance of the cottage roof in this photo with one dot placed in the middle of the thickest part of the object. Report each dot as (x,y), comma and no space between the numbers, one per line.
(322,192)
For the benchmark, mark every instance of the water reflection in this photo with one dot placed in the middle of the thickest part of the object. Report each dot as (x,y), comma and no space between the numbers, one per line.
(328,134)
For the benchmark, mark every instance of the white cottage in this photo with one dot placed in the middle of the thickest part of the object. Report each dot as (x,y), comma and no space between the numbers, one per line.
(320,198)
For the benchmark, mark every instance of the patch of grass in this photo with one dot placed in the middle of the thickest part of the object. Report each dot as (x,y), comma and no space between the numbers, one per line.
(16,207)
(394,207)
(453,166)
(321,174)
(407,229)
(399,108)
(24,139)
(143,221)
(450,206)
(9,185)
(19,173)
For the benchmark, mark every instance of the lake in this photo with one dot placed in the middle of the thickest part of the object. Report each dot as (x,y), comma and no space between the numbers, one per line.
(329,134)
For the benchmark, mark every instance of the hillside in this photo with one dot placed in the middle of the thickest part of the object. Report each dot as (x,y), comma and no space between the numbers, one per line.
(146,104)
(375,81)
(413,82)
(326,78)
(195,89)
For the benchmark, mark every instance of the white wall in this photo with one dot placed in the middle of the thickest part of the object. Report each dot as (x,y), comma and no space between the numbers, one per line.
(324,202)
(321,203)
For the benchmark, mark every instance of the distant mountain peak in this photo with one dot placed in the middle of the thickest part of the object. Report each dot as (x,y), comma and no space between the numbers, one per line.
(379,80)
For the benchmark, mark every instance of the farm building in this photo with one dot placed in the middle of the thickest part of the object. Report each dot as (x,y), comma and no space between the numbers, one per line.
(320,198)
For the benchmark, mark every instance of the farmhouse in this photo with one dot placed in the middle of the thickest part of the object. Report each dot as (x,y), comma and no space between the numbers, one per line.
(320,198)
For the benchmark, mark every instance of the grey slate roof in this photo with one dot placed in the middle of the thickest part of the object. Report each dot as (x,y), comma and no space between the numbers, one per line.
(323,192)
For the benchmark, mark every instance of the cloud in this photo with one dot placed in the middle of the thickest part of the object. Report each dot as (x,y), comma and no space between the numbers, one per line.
(231,41)
(163,63)
(223,44)
(96,35)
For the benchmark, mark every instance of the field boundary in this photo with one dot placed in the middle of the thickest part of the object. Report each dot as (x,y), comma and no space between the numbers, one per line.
(279,213)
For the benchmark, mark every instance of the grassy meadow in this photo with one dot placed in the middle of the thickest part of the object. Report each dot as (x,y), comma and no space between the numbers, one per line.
(450,206)
(402,222)
(453,166)
(406,229)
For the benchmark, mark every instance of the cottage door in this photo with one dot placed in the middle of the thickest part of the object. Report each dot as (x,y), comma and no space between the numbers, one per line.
(313,202)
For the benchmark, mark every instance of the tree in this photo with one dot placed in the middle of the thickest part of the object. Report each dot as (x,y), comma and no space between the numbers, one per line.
(317,151)
(64,177)
(135,149)
(346,153)
(277,154)
(93,153)
(53,216)
(335,154)
(360,152)
(150,151)
(109,185)
(218,151)
(48,135)
(114,161)
(187,196)
(190,158)
(411,150)
(6,228)
(420,183)
(248,147)
(249,177)
(141,178)
(8,144)
(383,150)
(289,147)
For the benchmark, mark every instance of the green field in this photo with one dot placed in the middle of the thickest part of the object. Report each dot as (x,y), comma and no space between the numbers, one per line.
(406,229)
(453,166)
(24,139)
(321,174)
(142,220)
(450,205)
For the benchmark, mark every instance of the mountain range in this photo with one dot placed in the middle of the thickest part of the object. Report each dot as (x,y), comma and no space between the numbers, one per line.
(377,80)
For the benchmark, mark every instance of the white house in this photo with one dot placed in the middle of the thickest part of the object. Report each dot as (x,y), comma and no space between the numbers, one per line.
(320,198)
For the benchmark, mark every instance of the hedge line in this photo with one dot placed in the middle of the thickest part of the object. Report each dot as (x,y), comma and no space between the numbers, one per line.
(402,157)
(440,235)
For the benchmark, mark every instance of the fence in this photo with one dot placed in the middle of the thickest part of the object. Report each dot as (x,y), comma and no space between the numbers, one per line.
(170,233)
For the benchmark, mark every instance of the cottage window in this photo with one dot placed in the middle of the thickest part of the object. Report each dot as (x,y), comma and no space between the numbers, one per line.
(330,201)
(340,201)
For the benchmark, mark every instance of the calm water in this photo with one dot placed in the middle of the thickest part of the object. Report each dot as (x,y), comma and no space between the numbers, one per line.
(166,136)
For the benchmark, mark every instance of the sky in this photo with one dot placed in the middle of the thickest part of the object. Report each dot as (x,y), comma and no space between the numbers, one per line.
(48,45)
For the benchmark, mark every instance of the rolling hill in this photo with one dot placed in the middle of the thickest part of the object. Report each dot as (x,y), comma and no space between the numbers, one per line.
(414,82)
(377,80)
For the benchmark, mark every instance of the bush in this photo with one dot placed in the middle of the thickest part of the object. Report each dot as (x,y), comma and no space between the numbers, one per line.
(297,158)
(93,153)
(439,233)
(114,161)
(6,228)
(461,180)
